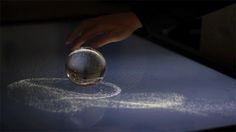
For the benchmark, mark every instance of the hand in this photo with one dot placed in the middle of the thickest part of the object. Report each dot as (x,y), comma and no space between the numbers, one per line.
(114,27)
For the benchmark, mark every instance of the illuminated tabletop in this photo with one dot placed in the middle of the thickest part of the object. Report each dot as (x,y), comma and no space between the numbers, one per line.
(149,88)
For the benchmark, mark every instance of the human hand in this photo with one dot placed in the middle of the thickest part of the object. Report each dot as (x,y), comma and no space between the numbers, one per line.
(114,27)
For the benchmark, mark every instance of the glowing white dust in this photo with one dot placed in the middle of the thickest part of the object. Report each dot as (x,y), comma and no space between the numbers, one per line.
(56,95)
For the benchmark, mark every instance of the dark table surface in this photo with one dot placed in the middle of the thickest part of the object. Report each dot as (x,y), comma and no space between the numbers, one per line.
(160,89)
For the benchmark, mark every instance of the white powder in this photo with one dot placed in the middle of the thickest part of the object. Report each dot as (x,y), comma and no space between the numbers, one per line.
(59,95)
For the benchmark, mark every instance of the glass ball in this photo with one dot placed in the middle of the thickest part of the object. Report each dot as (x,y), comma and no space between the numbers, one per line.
(85,66)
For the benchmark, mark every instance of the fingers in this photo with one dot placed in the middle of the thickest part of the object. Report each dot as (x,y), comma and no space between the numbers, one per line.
(83,26)
(77,46)
(89,34)
(98,42)
(109,38)
(106,39)
(77,32)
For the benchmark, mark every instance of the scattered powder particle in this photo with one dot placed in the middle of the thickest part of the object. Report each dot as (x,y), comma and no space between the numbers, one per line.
(60,95)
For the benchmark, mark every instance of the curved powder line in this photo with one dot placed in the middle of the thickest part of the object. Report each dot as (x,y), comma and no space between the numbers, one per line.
(76,101)
(117,91)
(66,101)
(78,104)
(76,95)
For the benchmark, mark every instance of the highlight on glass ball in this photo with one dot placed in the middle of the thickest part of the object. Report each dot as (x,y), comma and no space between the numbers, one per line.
(85,66)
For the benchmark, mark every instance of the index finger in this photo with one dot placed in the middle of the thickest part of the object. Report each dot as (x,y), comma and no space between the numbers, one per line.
(76,33)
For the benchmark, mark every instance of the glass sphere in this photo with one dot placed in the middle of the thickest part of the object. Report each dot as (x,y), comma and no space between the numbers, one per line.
(85,66)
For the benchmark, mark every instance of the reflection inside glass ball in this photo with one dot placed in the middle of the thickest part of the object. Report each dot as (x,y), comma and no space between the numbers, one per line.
(85,66)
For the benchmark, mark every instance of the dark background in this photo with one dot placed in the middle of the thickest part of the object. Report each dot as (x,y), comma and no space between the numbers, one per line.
(185,38)
(180,40)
